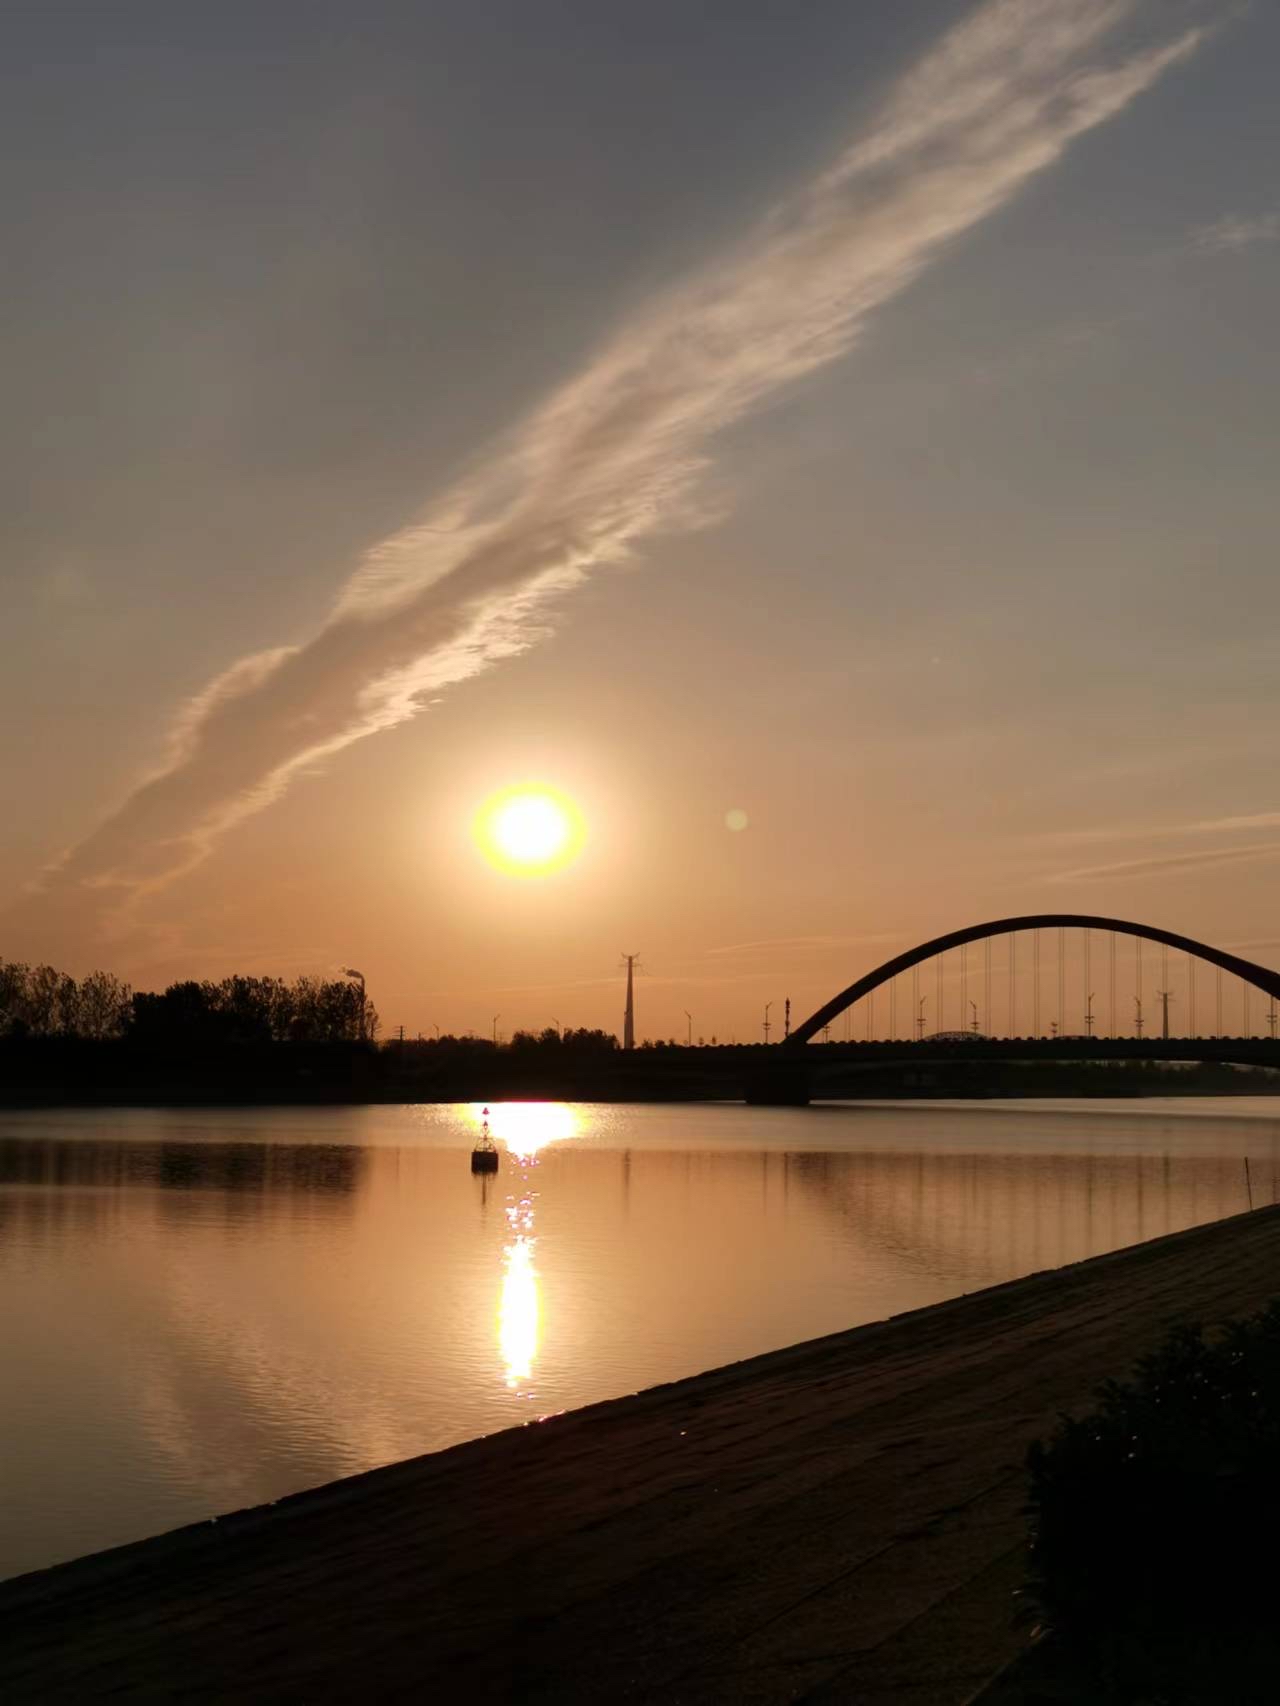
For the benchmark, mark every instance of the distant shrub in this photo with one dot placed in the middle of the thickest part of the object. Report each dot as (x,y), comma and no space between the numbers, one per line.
(1155,1522)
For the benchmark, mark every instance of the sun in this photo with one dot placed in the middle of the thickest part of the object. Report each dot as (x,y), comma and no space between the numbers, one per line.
(529,830)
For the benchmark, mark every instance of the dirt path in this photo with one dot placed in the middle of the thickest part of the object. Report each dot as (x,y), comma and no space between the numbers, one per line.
(835,1522)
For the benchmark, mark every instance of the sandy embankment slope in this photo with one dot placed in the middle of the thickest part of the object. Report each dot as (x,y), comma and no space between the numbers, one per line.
(839,1521)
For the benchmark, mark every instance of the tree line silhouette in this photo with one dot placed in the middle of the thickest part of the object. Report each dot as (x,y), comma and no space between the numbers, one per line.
(41,1002)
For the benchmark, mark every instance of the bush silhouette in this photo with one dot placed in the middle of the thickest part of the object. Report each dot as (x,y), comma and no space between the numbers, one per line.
(1154,1519)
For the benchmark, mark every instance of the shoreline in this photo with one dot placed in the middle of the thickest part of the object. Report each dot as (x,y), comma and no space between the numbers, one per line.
(843,1514)
(998,1101)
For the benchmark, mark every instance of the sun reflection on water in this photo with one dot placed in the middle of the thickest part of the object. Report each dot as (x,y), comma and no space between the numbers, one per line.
(519,1311)
(527,1127)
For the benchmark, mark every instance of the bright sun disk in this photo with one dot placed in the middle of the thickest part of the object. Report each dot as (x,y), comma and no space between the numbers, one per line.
(529,830)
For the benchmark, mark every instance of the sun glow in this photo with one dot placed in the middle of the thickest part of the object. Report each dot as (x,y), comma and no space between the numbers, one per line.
(527,1127)
(530,830)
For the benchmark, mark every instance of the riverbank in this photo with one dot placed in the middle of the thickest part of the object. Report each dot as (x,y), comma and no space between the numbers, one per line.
(840,1520)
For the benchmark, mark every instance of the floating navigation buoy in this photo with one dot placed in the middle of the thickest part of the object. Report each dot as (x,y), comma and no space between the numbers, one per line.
(484,1157)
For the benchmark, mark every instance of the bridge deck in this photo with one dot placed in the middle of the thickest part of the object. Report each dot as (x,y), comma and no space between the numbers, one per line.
(837,1521)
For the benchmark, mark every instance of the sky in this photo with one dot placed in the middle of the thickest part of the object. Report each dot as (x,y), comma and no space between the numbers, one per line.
(859,418)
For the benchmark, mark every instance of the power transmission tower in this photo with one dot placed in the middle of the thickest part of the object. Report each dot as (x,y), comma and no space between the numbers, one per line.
(631,961)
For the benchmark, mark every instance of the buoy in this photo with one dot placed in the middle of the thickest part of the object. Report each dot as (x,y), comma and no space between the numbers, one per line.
(484,1157)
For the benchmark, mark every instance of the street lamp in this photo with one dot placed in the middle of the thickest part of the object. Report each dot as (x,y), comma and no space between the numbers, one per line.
(350,971)
(688,1041)
(559,1027)
(767,1026)
(496,1017)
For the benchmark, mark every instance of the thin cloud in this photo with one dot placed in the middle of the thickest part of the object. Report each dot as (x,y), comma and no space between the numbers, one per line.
(807,944)
(1162,832)
(1171,862)
(1235,232)
(617,453)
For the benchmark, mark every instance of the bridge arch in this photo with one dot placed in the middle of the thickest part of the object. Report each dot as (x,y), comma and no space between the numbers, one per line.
(1259,976)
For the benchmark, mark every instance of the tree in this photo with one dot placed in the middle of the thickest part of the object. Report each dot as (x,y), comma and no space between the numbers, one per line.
(13,996)
(182,1014)
(103,1006)
(50,1001)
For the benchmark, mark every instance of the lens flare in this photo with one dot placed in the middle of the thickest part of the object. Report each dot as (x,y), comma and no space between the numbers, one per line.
(530,830)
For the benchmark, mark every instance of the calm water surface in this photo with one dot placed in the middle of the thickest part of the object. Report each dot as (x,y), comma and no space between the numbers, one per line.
(205,1310)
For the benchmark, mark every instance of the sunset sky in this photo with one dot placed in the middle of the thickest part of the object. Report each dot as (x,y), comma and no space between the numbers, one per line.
(857,418)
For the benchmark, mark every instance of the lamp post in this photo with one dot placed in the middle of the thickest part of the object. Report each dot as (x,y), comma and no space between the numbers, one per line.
(688,1041)
(559,1027)
(350,971)
(496,1017)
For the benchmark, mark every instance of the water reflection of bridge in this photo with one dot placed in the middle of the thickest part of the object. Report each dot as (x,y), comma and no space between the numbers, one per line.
(966,1219)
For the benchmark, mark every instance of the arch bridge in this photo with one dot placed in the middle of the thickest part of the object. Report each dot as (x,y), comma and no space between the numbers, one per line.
(1022,1007)
(1258,976)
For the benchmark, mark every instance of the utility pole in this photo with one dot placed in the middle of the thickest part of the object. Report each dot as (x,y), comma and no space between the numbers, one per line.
(920,1019)
(1164,1012)
(1088,1016)
(496,1017)
(688,1041)
(1137,1023)
(786,1019)
(767,1026)
(629,1017)
(974,1026)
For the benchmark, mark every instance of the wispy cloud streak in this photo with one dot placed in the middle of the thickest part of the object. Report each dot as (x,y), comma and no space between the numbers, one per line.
(801,944)
(1236,231)
(1173,863)
(617,452)
(1160,832)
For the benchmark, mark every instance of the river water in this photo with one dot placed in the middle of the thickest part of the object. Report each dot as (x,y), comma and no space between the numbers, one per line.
(202,1310)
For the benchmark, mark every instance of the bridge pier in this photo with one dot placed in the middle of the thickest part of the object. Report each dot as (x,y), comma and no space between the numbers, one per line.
(779,1083)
